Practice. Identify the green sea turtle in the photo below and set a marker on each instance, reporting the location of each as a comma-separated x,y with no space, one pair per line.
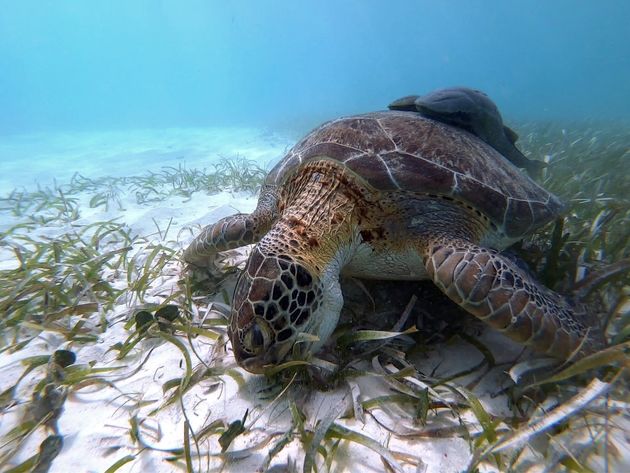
388,195
475,112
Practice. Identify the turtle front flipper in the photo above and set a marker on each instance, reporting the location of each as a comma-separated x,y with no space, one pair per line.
232,232
226,234
497,291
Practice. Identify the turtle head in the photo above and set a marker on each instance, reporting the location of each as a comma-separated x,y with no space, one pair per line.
277,301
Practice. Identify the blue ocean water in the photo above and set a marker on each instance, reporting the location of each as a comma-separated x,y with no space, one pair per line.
123,64
95,93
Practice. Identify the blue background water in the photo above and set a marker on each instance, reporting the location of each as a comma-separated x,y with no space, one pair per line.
67,65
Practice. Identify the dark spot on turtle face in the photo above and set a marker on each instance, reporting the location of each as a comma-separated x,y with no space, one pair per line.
287,280
294,294
294,315
283,257
304,279
310,297
285,334
302,317
259,309
301,298
284,303
279,324
278,290
507,276
312,242
293,306
271,312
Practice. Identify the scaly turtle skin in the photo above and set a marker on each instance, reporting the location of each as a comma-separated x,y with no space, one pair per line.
388,195
475,112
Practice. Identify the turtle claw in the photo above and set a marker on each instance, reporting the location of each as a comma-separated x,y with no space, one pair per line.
208,276
212,271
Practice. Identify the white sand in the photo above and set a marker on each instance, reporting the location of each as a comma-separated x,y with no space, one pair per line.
38,158
96,420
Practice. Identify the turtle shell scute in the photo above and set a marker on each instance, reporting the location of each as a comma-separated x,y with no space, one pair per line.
401,151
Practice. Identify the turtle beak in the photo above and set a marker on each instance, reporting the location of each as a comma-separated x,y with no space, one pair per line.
257,364
253,365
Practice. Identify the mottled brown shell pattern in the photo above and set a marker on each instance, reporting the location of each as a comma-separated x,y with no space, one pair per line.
404,151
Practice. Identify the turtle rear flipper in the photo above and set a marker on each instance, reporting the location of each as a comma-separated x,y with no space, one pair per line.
497,291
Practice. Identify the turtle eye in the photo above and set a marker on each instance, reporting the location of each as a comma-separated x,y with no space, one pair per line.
256,338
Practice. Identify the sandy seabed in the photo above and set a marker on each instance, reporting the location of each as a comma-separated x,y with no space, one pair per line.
95,423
